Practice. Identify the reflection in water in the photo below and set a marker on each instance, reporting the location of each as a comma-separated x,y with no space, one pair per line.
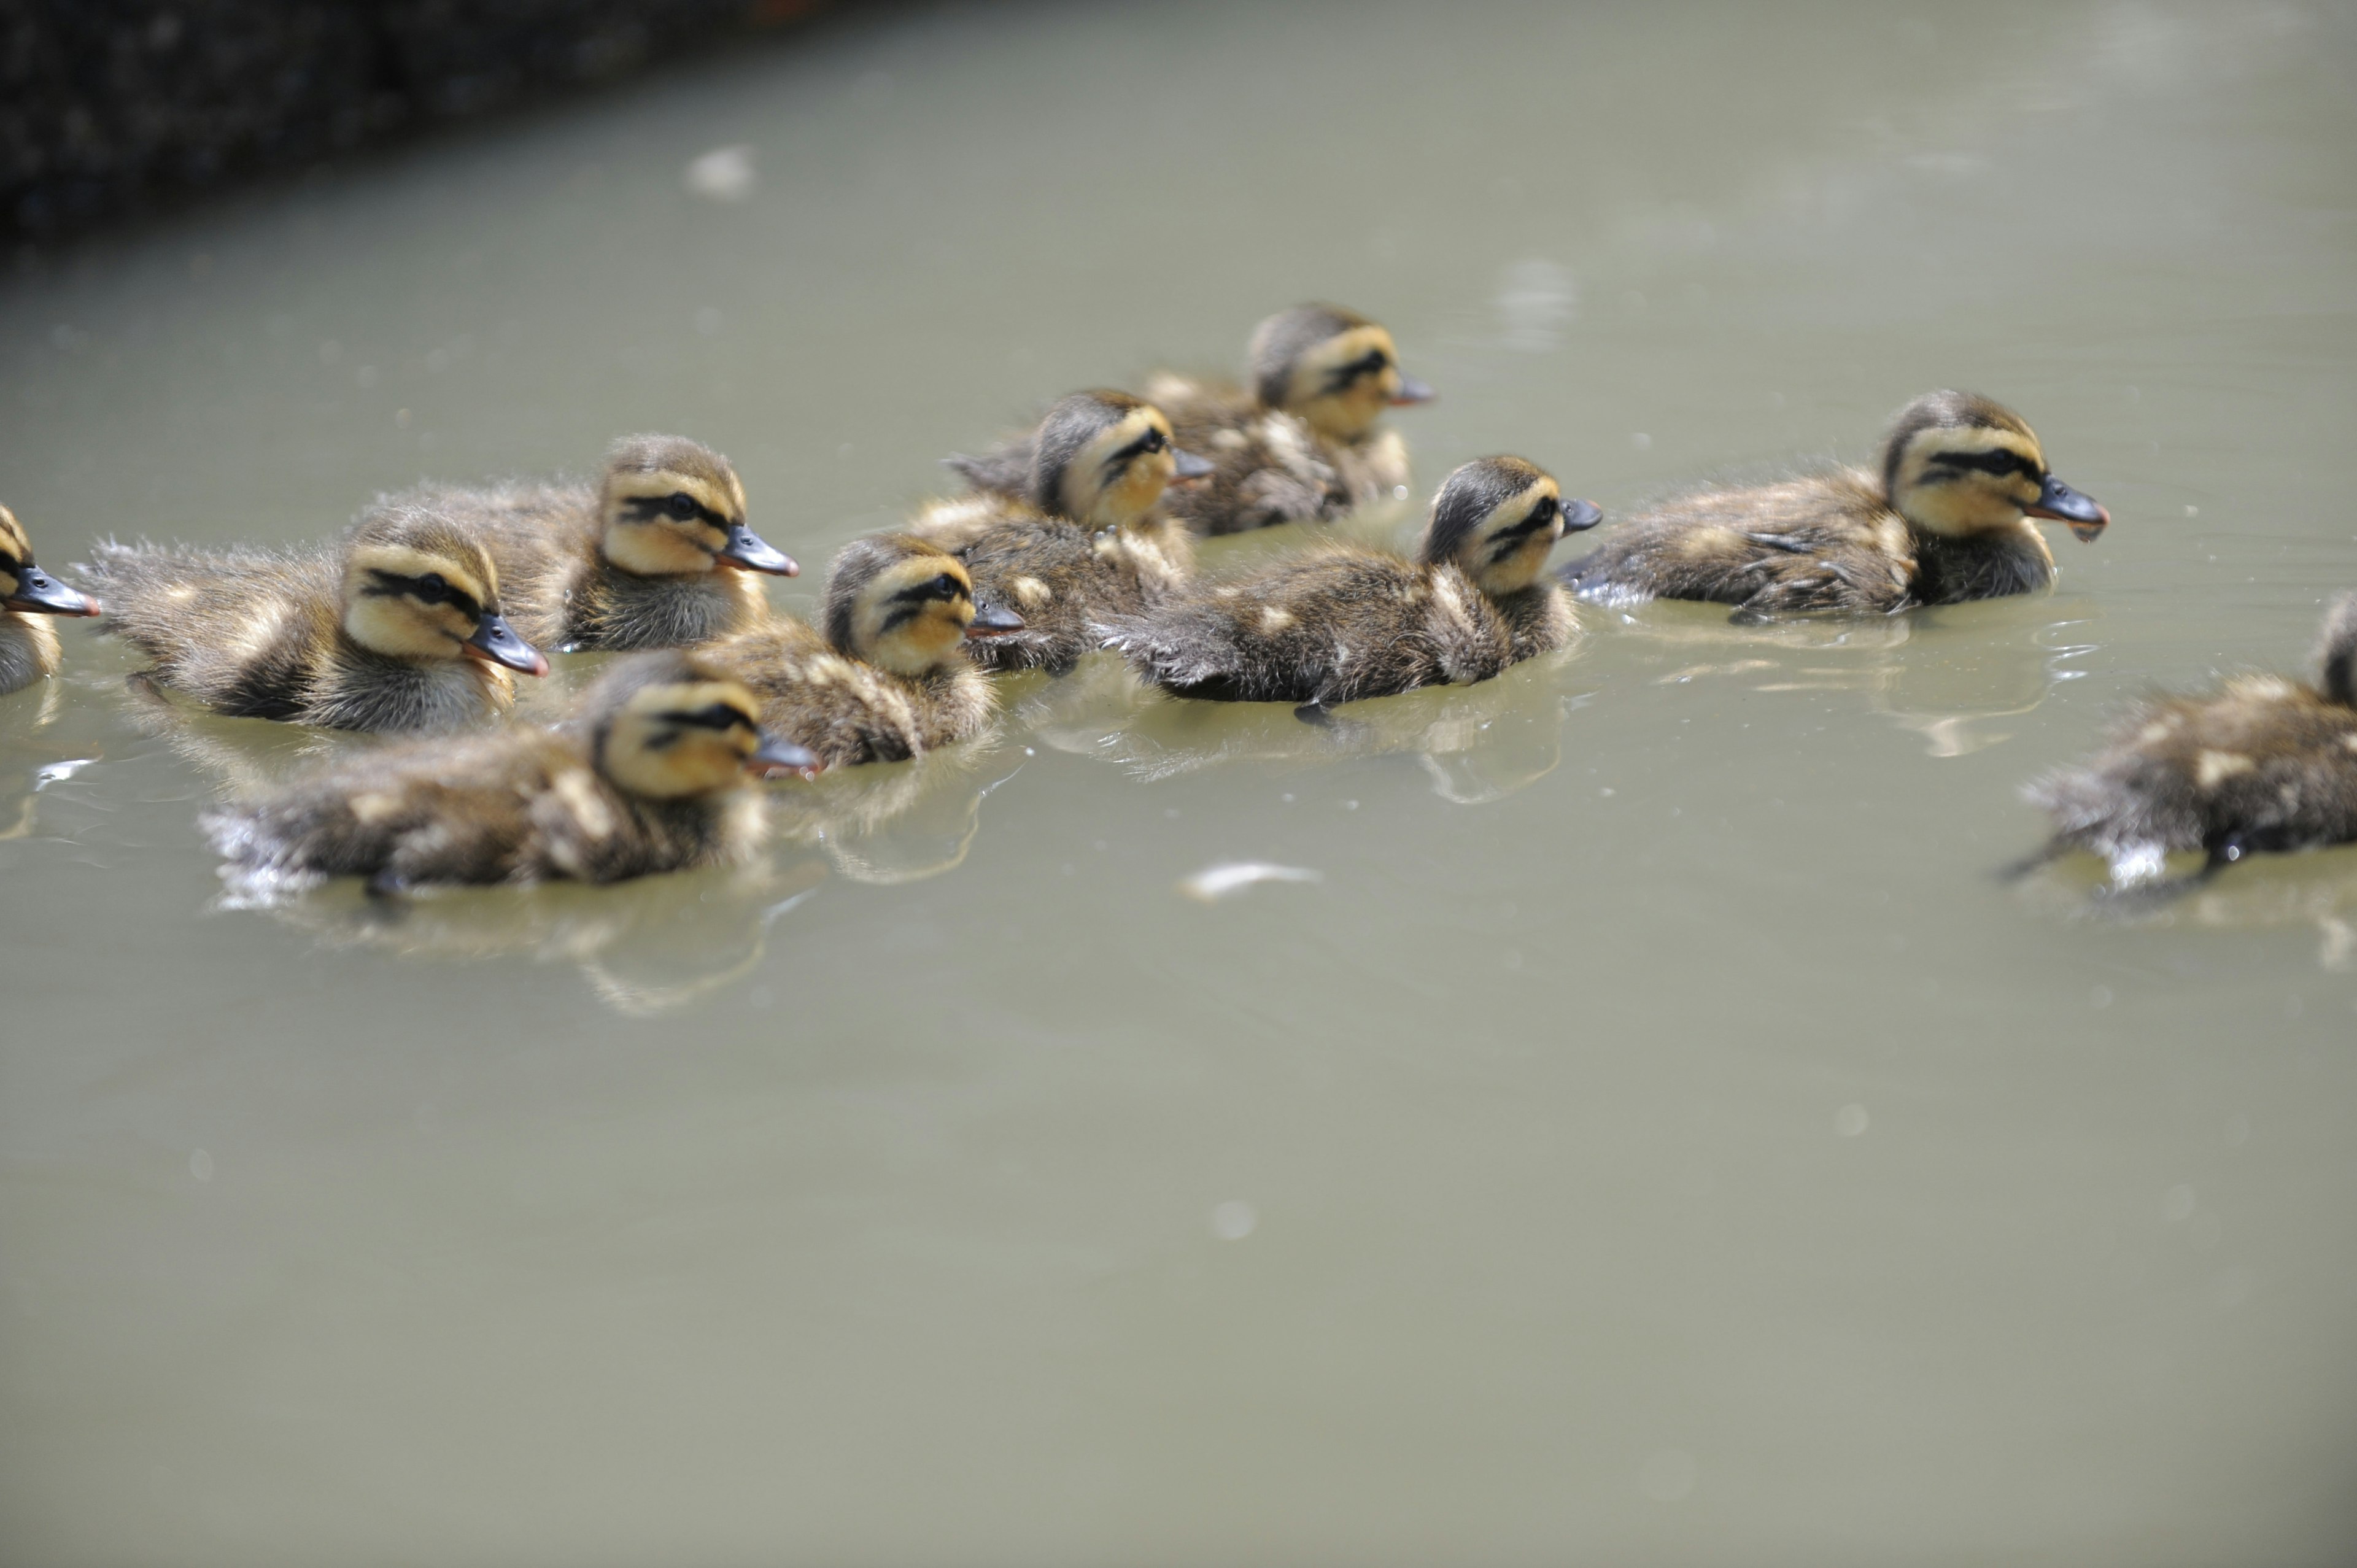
1937,678
889,823
22,714
2269,892
1479,742
645,947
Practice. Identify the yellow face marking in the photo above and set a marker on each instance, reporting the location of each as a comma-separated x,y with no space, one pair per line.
912,616
1347,411
387,620
1505,555
644,535
1104,488
681,739
1939,488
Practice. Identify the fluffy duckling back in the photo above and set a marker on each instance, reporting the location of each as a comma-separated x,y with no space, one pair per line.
1304,443
888,680
1342,622
1086,536
1947,519
28,596
2266,764
645,779
657,555
398,629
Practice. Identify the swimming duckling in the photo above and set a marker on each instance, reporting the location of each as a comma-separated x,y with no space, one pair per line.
1946,520
656,555
1085,538
1343,622
28,646
888,681
645,779
2266,765
1303,444
399,628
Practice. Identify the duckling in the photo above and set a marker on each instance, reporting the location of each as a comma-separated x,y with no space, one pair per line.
1085,538
2266,764
645,779
1946,520
888,681
656,555
1343,622
28,647
1303,444
399,628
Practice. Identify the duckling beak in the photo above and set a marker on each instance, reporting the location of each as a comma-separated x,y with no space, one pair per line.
39,592
994,620
1187,465
2063,504
495,642
1579,516
1411,391
749,551
775,759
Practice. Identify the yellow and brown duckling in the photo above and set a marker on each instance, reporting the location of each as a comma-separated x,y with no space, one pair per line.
28,596
1305,441
1947,519
1083,536
2264,765
656,554
646,779
890,679
399,628
1343,622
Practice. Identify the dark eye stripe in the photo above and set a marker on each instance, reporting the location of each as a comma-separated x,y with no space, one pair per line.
393,585
1152,441
649,508
929,589
721,717
1997,460
1373,362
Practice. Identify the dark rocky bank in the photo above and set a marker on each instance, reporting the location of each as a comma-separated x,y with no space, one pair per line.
110,109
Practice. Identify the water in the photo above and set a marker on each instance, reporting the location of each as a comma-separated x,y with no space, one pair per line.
1654,1136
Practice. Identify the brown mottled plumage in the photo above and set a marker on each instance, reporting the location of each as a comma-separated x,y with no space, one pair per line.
28,596
2266,764
1086,538
1946,520
1302,443
656,554
396,628
646,779
888,681
1341,623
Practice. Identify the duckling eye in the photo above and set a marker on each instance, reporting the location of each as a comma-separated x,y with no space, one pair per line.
433,588
682,505
949,587
1543,513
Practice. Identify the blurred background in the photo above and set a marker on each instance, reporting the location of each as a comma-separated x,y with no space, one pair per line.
1651,1134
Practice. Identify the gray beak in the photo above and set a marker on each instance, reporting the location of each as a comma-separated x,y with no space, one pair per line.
2063,504
749,549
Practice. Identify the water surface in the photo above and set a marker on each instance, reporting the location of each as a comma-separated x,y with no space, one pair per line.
1655,1136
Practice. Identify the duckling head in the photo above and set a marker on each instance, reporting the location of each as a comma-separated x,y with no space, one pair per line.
2336,652
24,587
416,588
1496,518
673,507
903,604
666,727
1332,367
1103,459
1959,464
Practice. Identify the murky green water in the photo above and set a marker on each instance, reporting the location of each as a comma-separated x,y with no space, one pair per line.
1657,1137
